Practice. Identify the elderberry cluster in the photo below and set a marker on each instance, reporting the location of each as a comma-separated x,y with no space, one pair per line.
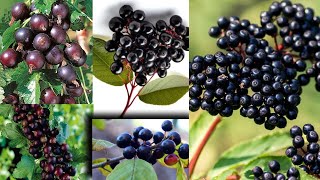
308,159
274,174
43,44
150,147
144,48
55,158
253,76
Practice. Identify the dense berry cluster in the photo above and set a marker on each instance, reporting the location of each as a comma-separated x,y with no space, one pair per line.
251,75
144,48
43,43
308,159
150,147
274,174
43,145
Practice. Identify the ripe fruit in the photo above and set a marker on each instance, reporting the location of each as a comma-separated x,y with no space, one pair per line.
67,74
158,137
124,140
9,58
167,125
184,151
41,42
175,137
39,23
145,134
73,90
20,11
58,34
129,152
168,146
116,68
60,10
49,97
24,36
144,152
55,55
73,51
35,60
171,159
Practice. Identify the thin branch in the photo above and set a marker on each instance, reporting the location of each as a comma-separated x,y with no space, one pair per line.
203,142
110,161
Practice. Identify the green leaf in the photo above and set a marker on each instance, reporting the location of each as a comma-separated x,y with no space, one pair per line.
77,25
135,169
88,5
246,171
30,90
99,144
50,78
305,176
44,6
5,110
24,168
165,91
106,170
101,65
247,151
78,156
100,124
13,132
8,35
181,174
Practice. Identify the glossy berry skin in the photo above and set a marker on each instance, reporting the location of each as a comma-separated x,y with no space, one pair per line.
307,128
175,137
9,58
295,131
257,171
20,11
58,34
167,125
291,151
312,136
41,42
171,159
73,90
60,10
158,137
124,140
67,74
39,23
141,80
144,152
184,151
175,21
145,134
298,142
35,60
168,146
274,166
125,11
80,62
73,51
129,152
116,68
49,97
67,100
24,36
293,172
55,55
116,24
136,131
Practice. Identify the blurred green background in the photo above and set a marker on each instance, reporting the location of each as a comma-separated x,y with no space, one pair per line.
235,129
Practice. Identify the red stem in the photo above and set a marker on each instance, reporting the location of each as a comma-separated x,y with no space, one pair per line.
204,141
276,42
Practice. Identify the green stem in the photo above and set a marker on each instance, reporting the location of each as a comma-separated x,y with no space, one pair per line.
84,86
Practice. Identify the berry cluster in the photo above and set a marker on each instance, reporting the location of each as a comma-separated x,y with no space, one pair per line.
43,44
43,142
163,144
274,166
309,159
144,48
252,76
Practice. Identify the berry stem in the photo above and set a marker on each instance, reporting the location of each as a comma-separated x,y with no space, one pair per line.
203,142
83,83
110,161
276,42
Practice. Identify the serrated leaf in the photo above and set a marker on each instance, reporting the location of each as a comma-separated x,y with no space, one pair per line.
8,35
50,77
101,65
44,6
100,124
30,90
165,91
24,168
100,145
5,110
135,169
77,25
78,156
13,132
75,16
245,152
246,171
106,170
